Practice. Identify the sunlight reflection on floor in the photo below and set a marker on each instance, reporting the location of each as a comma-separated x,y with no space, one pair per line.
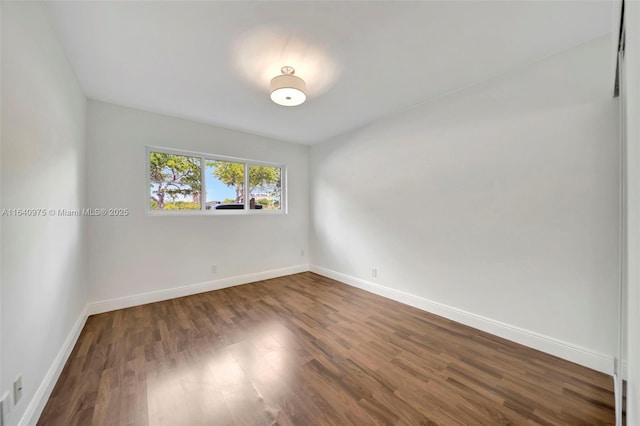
216,383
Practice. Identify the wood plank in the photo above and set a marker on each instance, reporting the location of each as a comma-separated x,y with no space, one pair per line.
307,350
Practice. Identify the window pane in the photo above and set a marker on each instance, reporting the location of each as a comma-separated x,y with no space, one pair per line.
224,181
175,182
266,187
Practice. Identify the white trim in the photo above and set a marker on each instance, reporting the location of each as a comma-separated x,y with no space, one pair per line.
574,353
39,400
187,290
632,157
622,234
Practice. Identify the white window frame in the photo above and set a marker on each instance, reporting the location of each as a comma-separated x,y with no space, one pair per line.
214,212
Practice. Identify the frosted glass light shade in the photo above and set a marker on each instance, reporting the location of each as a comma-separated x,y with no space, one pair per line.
288,90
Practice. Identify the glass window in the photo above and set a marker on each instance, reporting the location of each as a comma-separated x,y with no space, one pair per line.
224,181
265,187
175,182
209,184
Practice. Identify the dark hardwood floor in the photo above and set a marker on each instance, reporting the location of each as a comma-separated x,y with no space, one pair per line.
307,350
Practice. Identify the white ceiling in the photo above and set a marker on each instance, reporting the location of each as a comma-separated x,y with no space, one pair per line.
212,61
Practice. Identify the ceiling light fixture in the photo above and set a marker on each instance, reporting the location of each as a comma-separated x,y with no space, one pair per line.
288,89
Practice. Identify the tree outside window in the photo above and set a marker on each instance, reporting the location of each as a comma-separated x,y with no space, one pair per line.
176,183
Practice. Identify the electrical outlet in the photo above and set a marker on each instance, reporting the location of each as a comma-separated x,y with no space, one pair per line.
301,253
214,269
17,389
374,272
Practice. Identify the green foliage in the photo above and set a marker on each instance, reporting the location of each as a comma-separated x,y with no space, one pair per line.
182,205
177,205
176,182
263,176
232,175
269,203
174,176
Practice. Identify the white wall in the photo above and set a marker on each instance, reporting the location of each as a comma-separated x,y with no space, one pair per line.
43,258
500,200
632,104
141,253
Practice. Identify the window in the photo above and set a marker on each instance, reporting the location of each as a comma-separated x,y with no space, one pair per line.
209,184
265,186
225,184
175,182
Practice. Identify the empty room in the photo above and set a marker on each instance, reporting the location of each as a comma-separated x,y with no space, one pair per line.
320,213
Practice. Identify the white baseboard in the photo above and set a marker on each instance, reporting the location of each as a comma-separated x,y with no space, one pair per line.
39,400
574,353
187,290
